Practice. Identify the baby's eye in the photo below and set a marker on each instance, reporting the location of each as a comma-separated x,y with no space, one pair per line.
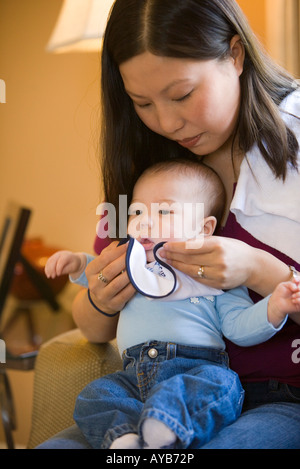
136,209
135,212
165,212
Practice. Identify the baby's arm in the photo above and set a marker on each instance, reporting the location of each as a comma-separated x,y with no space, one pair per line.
65,262
285,300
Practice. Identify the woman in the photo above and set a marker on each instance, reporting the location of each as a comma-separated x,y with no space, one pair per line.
188,77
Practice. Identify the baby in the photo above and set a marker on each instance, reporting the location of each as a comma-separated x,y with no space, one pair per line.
176,389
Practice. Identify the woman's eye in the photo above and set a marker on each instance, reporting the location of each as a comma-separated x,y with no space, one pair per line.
186,96
142,106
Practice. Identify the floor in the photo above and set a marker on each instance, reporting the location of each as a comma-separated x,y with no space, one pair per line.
46,324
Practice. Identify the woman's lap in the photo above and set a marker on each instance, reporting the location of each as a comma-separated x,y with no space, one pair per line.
270,426
70,438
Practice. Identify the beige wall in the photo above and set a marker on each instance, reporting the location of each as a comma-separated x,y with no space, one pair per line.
48,126
255,10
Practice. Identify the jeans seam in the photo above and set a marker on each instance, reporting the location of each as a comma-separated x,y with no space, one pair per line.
183,434
113,433
224,398
144,380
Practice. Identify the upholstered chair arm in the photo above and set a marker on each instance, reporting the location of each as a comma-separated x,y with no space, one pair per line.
64,365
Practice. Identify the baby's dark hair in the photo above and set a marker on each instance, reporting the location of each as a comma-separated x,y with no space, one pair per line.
209,188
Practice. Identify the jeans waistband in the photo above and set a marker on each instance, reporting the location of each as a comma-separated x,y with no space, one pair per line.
160,351
268,392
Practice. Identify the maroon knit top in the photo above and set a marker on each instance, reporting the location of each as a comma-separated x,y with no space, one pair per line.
279,357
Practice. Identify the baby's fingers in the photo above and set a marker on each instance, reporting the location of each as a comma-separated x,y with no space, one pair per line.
62,266
296,297
50,267
56,263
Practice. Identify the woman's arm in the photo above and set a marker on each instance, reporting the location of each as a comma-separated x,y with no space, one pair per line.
266,273
109,297
95,326
228,263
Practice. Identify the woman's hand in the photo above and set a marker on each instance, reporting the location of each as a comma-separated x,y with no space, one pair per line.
227,263
109,297
224,260
114,290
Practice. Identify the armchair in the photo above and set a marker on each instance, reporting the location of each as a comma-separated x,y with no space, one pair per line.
64,365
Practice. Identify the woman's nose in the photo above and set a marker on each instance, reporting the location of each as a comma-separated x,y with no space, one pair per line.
169,121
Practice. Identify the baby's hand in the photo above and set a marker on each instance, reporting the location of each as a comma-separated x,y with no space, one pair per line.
65,262
284,300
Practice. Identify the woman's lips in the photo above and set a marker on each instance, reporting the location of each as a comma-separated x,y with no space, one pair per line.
190,142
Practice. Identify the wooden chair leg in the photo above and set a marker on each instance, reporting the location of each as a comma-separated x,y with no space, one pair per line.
7,409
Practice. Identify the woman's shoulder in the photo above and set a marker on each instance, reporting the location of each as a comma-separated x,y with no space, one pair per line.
291,104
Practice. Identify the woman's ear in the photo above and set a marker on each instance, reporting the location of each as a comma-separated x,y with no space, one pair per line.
237,53
209,225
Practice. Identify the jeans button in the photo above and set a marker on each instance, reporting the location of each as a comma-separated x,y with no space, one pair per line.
152,353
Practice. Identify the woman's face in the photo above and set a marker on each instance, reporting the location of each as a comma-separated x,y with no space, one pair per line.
192,102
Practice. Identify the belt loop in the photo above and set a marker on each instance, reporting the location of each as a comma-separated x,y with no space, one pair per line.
273,385
225,359
171,350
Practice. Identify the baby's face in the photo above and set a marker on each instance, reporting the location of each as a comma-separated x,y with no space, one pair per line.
164,208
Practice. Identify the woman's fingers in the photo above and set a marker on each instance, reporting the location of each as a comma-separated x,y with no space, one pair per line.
112,260
116,285
221,262
113,269
108,280
203,244
116,293
186,251
188,260
119,300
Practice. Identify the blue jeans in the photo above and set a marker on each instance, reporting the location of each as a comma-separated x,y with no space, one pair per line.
278,422
270,419
189,389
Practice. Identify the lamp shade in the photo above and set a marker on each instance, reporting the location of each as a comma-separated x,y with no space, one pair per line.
80,26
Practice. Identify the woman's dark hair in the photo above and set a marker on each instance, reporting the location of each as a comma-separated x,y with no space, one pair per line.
194,29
